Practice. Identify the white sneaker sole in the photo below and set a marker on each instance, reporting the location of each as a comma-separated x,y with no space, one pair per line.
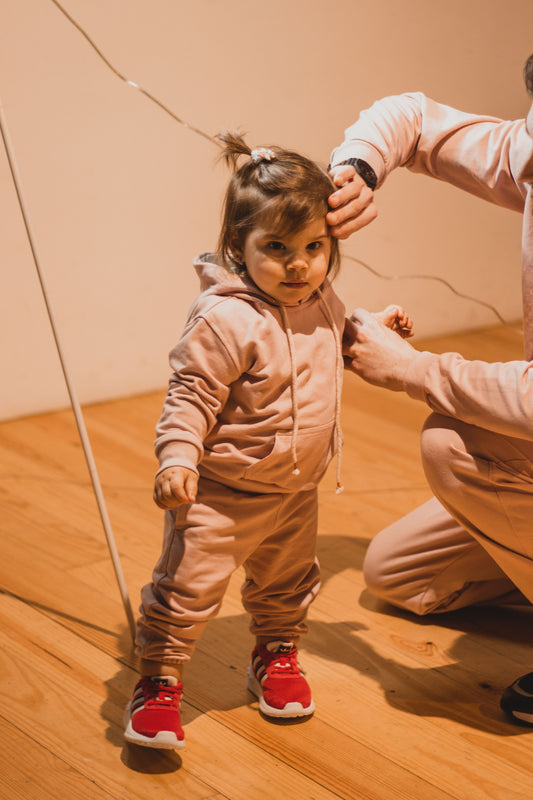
291,710
521,715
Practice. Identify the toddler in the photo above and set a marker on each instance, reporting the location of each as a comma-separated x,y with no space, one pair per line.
249,426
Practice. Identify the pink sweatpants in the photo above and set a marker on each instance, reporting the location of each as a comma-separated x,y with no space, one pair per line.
473,542
272,535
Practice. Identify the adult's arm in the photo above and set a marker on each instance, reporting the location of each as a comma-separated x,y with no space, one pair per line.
496,396
483,155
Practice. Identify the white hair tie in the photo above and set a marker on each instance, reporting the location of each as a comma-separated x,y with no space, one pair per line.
262,154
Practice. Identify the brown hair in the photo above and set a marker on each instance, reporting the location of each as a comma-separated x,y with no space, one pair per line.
287,192
528,74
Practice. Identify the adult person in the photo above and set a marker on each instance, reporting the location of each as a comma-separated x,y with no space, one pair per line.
473,541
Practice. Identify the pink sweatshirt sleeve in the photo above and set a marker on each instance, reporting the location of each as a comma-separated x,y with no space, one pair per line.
498,397
203,370
479,154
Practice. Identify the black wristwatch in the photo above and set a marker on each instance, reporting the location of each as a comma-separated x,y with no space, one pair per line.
363,169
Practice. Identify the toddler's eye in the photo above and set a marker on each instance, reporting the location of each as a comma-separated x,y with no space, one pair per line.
314,245
276,246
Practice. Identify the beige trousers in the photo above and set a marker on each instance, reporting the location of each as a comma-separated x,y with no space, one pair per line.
272,535
473,542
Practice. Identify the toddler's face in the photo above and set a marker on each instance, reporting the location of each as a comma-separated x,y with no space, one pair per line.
291,267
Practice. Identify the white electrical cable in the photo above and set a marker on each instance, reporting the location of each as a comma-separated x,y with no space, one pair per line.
135,85
438,279
76,408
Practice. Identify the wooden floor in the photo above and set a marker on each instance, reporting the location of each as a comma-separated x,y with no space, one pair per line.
406,708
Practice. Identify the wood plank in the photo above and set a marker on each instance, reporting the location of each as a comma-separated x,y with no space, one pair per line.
75,710
31,771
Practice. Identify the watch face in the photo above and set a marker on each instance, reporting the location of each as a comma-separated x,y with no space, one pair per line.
363,169
366,172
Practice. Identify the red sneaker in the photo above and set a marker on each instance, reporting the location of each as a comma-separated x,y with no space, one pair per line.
276,678
152,718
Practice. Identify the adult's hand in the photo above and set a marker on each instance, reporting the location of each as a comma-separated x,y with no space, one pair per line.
352,205
375,352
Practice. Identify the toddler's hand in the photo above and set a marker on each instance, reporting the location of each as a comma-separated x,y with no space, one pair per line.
175,486
397,319
373,351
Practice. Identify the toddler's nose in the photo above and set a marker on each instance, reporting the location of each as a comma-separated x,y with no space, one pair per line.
297,264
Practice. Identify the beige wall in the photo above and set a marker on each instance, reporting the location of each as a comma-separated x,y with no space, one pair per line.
121,197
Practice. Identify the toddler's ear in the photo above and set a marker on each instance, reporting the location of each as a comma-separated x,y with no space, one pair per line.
237,249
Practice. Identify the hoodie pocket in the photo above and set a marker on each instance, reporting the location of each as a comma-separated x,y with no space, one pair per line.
315,448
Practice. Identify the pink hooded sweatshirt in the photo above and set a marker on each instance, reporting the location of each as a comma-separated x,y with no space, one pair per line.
491,159
253,401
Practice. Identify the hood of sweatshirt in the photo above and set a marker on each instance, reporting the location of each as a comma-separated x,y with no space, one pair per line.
217,279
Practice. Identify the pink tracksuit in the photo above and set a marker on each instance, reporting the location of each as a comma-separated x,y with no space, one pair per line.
473,542
253,407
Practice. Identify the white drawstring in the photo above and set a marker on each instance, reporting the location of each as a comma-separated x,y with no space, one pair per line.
338,383
294,376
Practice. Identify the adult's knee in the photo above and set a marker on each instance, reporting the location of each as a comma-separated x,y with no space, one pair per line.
441,447
384,574
375,569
